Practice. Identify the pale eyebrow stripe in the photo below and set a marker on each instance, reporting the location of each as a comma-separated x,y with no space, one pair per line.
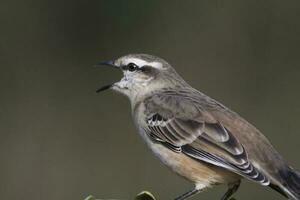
140,63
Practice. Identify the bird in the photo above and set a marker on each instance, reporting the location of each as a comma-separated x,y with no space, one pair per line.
196,136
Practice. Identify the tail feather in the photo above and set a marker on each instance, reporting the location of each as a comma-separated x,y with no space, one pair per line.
291,184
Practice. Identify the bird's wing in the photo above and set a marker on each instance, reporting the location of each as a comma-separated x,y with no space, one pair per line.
179,123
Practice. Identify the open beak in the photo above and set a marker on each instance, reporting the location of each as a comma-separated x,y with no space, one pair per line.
105,63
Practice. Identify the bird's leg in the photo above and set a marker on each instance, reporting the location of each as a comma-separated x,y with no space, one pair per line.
232,188
188,194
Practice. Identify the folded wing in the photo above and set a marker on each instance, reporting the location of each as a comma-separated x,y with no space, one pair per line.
182,126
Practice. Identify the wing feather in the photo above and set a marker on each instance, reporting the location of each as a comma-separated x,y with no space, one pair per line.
196,134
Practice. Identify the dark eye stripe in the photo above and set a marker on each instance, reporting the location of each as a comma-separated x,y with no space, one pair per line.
145,69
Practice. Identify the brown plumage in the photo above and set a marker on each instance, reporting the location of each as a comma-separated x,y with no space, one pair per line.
196,136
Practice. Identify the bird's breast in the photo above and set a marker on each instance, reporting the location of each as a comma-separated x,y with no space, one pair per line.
193,170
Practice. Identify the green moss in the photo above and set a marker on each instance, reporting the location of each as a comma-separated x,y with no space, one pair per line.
145,195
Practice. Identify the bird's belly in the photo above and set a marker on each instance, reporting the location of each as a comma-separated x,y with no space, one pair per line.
199,172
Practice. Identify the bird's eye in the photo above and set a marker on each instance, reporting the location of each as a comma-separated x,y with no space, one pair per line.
132,67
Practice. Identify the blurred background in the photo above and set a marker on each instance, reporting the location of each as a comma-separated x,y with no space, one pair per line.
61,140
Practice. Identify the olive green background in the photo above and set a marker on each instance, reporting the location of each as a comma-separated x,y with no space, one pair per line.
59,140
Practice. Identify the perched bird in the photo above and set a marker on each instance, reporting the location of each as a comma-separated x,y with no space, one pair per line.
196,136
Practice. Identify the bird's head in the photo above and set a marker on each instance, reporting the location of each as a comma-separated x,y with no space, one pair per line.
142,73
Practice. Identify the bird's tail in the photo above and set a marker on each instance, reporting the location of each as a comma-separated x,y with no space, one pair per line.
291,186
